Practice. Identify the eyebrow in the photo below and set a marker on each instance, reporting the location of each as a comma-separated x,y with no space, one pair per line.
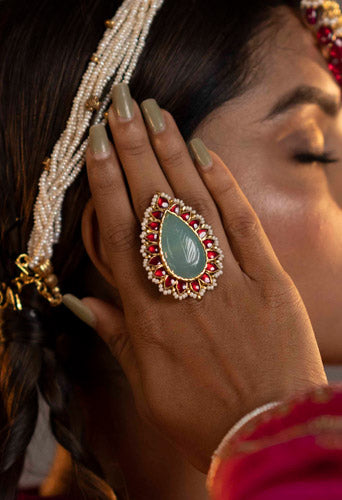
304,94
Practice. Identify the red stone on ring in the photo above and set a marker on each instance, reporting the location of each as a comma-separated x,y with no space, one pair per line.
195,286
185,215
157,215
205,278
154,225
175,209
152,237
155,260
153,249
160,272
211,267
202,233
212,254
181,286
162,202
195,223
169,281
208,243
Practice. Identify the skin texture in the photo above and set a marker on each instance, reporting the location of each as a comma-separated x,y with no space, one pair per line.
299,205
299,208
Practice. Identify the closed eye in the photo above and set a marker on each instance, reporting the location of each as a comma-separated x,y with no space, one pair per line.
307,157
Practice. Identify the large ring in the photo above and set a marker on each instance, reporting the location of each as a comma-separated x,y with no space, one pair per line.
180,252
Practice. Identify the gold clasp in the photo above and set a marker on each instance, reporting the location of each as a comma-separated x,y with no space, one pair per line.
42,276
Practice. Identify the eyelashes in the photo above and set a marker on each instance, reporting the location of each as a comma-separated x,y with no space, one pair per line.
307,157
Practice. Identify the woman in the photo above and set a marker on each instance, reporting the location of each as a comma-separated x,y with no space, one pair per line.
255,87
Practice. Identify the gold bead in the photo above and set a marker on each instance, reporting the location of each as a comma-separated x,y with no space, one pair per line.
94,58
105,115
109,23
51,281
93,103
43,269
47,163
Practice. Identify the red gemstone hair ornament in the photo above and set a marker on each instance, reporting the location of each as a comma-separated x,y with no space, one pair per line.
180,252
325,18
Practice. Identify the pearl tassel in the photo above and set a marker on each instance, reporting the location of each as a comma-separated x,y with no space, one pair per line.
115,59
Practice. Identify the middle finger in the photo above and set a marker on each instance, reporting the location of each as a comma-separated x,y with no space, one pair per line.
158,161
141,167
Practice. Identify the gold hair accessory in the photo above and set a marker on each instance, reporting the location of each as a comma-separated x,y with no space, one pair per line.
42,276
113,61
325,19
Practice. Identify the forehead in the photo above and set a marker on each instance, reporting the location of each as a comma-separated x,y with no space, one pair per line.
288,57
291,54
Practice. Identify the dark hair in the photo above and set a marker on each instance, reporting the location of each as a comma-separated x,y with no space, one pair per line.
197,56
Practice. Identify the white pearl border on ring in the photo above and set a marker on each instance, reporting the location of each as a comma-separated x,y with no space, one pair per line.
217,261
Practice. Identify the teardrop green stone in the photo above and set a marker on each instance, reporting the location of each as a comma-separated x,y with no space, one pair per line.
182,248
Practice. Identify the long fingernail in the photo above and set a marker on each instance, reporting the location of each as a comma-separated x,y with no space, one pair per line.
122,101
98,139
79,309
153,115
200,153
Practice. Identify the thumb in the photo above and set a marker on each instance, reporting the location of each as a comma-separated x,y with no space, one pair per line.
111,327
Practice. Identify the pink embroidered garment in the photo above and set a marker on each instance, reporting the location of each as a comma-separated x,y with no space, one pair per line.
292,452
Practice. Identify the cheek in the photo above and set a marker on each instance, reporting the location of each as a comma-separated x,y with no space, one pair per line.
299,231
306,234
298,212
307,238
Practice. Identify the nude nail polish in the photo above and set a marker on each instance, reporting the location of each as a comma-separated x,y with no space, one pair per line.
153,115
98,139
80,310
122,101
200,153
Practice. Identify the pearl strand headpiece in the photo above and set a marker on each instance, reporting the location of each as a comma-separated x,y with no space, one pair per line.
114,61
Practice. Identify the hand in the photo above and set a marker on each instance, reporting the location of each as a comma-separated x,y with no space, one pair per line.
195,367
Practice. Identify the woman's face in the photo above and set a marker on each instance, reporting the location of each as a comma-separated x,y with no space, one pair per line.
267,138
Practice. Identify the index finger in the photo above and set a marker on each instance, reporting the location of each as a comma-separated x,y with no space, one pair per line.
118,225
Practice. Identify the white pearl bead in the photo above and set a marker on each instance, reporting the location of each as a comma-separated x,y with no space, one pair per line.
118,53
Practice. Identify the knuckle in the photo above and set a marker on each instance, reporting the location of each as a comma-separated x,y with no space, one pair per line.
150,331
279,291
119,237
172,158
133,146
106,180
201,204
244,225
226,188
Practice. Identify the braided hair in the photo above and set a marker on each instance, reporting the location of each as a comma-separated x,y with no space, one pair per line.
35,356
